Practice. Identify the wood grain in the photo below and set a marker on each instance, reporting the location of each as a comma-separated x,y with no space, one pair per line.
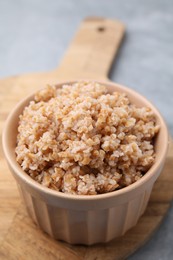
90,55
93,49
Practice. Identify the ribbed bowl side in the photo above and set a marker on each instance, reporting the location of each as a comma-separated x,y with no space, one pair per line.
85,227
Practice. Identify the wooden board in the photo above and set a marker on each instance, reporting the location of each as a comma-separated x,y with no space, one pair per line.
89,56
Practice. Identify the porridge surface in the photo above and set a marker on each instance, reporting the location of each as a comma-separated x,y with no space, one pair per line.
80,139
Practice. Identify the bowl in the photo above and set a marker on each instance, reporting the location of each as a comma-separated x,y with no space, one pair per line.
85,219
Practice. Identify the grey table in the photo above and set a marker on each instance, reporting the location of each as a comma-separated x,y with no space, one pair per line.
34,35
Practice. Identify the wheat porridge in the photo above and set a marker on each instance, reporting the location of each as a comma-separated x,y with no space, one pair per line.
81,139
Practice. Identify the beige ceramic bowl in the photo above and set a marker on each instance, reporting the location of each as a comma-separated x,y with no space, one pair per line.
82,219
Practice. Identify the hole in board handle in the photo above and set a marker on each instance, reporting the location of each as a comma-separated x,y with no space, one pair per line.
101,29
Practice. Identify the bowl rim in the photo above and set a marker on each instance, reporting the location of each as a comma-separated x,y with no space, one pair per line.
9,153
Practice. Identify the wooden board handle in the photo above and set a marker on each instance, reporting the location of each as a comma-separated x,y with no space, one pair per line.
93,49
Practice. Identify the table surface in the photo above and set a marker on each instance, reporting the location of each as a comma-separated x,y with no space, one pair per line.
34,36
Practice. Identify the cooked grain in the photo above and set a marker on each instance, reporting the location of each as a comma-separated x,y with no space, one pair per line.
80,139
